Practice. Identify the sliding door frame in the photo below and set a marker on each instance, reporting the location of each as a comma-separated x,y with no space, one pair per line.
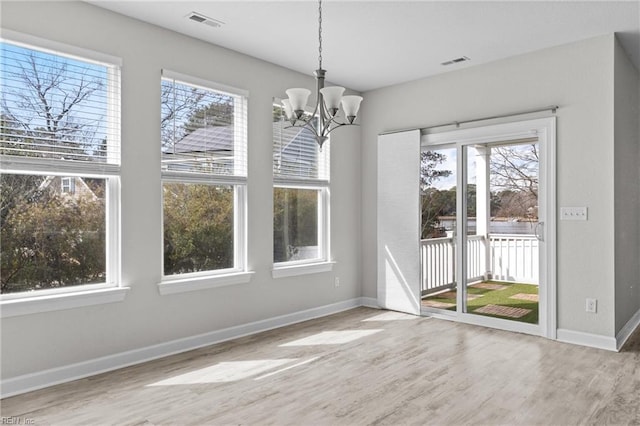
545,130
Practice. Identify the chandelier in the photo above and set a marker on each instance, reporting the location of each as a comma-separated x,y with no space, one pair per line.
328,100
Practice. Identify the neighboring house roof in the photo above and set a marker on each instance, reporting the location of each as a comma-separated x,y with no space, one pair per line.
220,138
299,148
205,149
205,139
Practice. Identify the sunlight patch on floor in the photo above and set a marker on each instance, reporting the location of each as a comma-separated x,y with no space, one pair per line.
332,338
282,370
225,372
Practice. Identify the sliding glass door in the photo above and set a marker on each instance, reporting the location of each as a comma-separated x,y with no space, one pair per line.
482,215
501,221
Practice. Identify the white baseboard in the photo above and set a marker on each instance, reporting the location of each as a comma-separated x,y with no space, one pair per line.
46,378
370,302
628,330
587,339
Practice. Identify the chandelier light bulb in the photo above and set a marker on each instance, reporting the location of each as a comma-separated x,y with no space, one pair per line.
298,98
351,105
288,110
332,96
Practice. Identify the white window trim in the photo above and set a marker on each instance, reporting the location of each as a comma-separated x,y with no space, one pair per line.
323,263
178,283
204,84
323,233
112,242
292,269
23,303
202,280
192,282
61,301
57,48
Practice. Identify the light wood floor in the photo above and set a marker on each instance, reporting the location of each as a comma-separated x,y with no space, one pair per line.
389,371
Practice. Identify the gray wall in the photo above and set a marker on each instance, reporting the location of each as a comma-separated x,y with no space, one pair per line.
36,342
579,78
627,187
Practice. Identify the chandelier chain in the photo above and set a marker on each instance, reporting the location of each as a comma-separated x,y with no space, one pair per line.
325,117
320,34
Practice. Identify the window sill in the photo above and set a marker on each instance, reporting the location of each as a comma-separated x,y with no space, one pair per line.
183,285
59,302
304,269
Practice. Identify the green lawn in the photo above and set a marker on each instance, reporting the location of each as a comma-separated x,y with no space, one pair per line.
496,297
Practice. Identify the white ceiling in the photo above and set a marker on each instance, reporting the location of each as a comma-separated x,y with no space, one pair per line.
372,44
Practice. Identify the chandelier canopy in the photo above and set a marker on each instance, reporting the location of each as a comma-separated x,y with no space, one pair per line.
328,101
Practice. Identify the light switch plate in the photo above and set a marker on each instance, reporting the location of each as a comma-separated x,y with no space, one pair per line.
573,213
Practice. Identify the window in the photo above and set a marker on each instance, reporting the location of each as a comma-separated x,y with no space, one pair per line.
300,195
204,150
59,185
68,185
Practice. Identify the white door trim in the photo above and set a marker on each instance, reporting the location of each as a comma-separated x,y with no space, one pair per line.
545,130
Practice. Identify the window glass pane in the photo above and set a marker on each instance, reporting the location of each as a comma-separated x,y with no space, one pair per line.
514,188
202,130
198,227
57,107
51,238
295,226
438,193
295,150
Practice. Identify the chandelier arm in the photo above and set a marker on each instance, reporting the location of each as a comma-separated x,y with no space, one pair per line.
304,124
326,117
341,125
315,110
326,128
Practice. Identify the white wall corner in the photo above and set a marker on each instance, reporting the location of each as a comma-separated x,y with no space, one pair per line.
587,339
42,379
370,302
628,329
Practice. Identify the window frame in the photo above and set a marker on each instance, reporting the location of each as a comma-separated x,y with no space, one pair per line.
68,185
112,290
323,262
238,274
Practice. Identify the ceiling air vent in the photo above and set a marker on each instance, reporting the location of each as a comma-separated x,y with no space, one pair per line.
456,61
201,19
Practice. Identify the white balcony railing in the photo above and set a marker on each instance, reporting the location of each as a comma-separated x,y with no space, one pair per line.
437,259
512,258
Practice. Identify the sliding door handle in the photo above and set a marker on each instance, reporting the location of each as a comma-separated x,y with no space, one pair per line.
539,231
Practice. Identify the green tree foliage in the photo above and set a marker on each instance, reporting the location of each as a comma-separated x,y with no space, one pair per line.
295,225
16,190
434,203
49,239
198,227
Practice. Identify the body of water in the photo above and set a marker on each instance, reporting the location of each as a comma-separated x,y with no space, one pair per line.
495,227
